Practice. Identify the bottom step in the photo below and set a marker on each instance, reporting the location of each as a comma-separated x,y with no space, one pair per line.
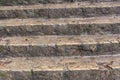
61,75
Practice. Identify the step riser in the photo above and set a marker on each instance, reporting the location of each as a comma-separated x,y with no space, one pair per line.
59,75
65,50
60,13
26,2
77,29
77,75
11,75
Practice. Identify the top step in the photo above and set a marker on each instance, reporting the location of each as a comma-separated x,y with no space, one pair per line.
27,2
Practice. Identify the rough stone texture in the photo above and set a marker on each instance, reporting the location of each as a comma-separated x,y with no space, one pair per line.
60,13
77,29
11,75
60,75
26,2
77,75
65,50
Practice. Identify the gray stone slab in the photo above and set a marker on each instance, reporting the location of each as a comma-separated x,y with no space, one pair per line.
60,13
26,2
70,29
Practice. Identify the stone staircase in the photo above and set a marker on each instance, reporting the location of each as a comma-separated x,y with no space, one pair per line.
59,39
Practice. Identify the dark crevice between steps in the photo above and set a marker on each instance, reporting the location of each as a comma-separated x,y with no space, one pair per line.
60,13
60,75
70,29
28,2
63,50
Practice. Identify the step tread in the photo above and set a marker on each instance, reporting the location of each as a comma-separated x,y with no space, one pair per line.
59,63
64,5
61,21
60,40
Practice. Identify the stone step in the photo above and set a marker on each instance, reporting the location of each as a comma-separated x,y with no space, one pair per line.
78,75
62,21
85,45
65,10
60,63
61,75
63,26
68,29
28,2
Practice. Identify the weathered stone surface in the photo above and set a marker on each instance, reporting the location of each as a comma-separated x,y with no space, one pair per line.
65,50
60,63
60,75
77,75
9,75
59,45
26,2
60,13
100,28
75,29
